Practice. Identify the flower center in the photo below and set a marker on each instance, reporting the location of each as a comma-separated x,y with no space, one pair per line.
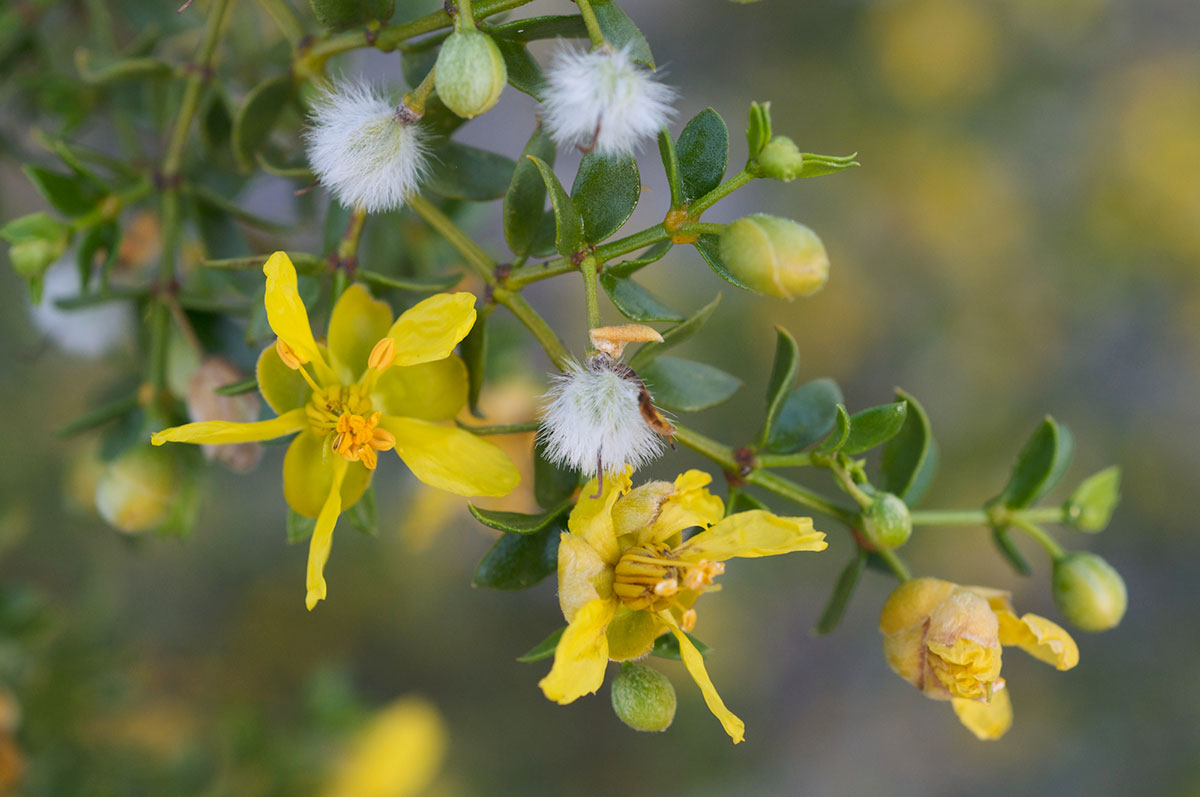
653,577
966,668
343,415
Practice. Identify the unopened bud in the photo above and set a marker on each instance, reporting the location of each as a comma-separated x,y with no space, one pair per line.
643,698
205,404
775,256
1089,592
470,73
136,491
780,159
887,522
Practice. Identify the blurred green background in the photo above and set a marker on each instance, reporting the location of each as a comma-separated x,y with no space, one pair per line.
1022,238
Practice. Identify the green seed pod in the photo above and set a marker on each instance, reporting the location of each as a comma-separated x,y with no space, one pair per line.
886,522
470,73
780,159
136,491
643,698
775,256
1089,592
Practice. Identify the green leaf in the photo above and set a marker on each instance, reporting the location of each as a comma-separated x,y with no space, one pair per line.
474,353
337,15
910,458
1091,506
783,375
634,301
1010,552
675,335
807,415
544,649
839,599
257,117
628,267
518,522
620,32
70,195
874,426
216,126
667,646
526,195
818,165
551,484
142,68
551,26
104,237
519,561
568,237
299,527
703,154
670,159
1039,466
364,516
462,172
709,247
841,431
606,190
686,386
524,72
758,132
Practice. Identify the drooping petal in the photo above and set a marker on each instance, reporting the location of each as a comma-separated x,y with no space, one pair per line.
989,720
754,533
1044,640
695,666
631,634
285,308
217,432
357,323
592,518
283,388
308,473
432,328
322,538
582,575
690,504
452,459
433,391
581,656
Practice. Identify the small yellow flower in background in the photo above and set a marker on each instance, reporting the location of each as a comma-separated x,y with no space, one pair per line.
398,754
946,640
375,386
625,577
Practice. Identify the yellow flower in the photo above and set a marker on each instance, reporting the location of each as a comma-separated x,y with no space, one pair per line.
397,754
376,385
625,577
946,640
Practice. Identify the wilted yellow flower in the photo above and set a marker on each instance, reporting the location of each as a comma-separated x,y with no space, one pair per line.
946,640
398,754
625,577
376,385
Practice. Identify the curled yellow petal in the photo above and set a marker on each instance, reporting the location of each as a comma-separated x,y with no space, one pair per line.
695,666
689,504
581,655
582,575
1044,640
752,534
218,432
322,538
285,310
452,459
356,324
592,518
987,720
432,328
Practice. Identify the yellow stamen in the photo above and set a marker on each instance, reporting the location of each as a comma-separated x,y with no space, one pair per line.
652,576
289,356
357,438
382,355
689,620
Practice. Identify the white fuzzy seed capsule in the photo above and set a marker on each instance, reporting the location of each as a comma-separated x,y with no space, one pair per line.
592,419
604,101
367,151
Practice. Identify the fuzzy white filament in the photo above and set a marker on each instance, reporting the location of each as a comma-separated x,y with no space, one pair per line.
363,149
604,100
592,419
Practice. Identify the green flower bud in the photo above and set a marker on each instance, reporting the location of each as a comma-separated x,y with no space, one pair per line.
470,73
780,159
886,522
1089,592
37,241
775,256
137,490
643,698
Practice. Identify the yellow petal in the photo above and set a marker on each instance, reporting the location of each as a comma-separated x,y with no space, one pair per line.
285,309
987,721
1044,640
911,603
357,323
754,533
322,538
631,634
582,575
695,666
690,504
283,388
432,328
218,432
452,459
308,474
581,656
397,754
592,518
434,391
